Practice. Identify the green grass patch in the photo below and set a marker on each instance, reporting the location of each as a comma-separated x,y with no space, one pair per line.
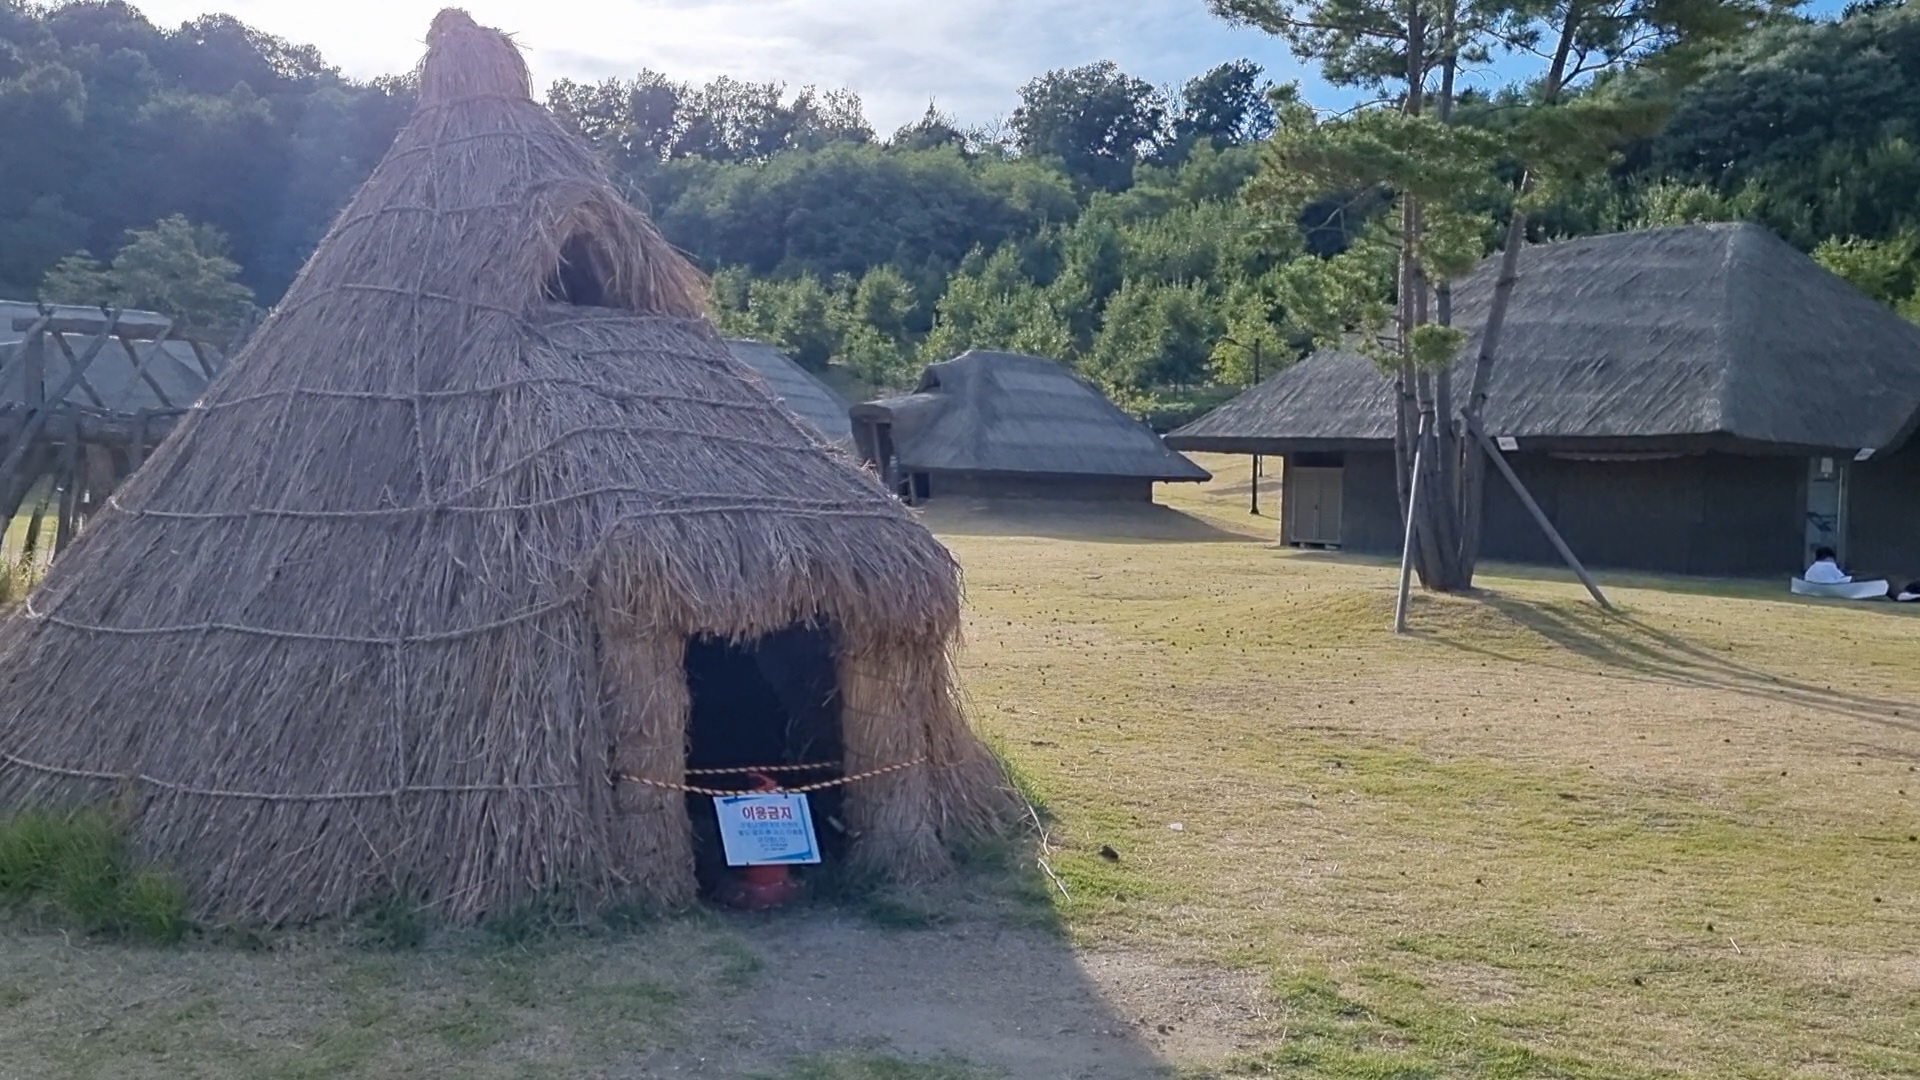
395,924
78,870
1398,1032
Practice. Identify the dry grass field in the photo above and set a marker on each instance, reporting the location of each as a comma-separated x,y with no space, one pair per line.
1527,840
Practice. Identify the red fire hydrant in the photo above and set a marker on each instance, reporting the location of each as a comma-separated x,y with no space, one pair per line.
758,888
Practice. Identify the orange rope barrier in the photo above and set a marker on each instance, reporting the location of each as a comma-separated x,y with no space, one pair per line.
803,789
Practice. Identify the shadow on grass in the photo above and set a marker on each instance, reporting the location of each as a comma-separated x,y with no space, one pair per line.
1765,590
1631,648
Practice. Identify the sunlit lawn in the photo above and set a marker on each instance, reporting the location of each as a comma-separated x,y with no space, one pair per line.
1529,839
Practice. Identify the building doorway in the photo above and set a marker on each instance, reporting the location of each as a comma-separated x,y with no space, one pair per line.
1826,507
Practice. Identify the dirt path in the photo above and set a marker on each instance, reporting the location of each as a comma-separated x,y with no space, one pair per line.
1014,1002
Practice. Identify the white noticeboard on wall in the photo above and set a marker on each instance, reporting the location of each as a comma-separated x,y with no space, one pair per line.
774,829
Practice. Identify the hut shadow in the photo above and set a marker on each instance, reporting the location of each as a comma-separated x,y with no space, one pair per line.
1013,1000
1131,523
1630,648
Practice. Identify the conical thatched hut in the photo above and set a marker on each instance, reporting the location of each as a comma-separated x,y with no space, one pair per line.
414,599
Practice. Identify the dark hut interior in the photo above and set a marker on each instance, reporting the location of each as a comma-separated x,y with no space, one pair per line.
773,700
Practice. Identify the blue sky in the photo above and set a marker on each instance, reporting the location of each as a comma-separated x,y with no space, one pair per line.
968,55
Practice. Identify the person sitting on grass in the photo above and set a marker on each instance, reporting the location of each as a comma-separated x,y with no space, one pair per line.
1826,569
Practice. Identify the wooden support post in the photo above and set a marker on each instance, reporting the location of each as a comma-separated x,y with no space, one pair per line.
70,459
18,352
30,549
1539,516
19,487
137,446
1406,545
33,355
1253,486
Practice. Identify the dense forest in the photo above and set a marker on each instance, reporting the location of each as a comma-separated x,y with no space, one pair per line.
1105,222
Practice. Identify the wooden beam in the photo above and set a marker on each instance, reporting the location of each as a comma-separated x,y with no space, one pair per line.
143,359
1539,516
90,325
207,367
107,429
67,351
159,392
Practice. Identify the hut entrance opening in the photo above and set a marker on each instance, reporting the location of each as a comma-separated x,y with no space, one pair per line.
578,280
773,700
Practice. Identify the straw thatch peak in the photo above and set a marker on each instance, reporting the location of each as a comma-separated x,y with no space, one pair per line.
480,145
465,59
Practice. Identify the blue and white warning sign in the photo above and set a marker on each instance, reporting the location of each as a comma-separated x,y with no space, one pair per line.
766,829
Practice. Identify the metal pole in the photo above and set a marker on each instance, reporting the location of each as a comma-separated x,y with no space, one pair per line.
1539,515
1254,487
1406,547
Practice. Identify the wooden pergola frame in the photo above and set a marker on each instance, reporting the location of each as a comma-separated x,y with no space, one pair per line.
87,446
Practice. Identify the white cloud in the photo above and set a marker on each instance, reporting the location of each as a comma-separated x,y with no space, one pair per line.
969,55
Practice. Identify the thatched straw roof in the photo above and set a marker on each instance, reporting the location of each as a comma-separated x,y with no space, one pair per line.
797,388
112,379
1708,335
1004,412
375,614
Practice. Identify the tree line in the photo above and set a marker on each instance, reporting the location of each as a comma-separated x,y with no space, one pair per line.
1150,236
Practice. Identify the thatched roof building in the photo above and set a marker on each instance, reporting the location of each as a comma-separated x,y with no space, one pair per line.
1003,424
1686,399
797,388
443,587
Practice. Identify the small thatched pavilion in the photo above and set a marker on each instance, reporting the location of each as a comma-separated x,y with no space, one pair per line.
482,544
1003,425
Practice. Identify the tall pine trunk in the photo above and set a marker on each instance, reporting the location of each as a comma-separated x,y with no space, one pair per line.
1427,409
1473,461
